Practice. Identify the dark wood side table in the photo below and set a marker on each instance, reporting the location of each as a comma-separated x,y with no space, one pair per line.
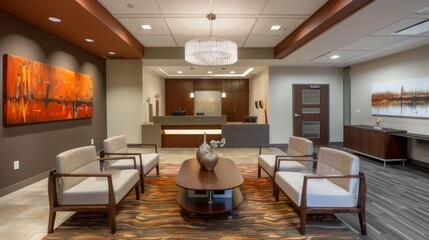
225,176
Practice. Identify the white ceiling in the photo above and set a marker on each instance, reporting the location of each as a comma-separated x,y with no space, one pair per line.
361,37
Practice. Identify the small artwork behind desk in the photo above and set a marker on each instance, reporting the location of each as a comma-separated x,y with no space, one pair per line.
408,98
208,102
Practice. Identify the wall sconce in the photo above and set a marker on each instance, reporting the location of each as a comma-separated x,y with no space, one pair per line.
256,105
192,95
261,105
223,95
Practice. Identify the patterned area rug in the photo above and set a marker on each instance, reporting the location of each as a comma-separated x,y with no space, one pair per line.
158,216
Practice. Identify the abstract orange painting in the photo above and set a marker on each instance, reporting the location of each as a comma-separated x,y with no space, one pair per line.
37,92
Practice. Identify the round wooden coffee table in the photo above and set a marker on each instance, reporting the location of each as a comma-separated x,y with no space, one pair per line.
224,180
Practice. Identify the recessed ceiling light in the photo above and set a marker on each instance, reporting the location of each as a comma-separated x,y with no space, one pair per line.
112,53
232,72
334,57
146,27
54,19
129,5
179,72
89,40
209,72
275,27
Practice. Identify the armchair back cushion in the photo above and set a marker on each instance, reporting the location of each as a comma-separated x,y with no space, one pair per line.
336,162
116,144
300,146
78,160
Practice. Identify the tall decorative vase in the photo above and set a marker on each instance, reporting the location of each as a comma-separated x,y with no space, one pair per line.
150,112
157,107
206,157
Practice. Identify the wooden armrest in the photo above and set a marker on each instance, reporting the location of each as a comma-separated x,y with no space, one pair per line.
119,158
271,145
125,154
144,145
331,176
108,175
115,158
280,158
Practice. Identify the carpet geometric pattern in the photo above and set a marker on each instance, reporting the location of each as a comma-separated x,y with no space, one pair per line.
158,216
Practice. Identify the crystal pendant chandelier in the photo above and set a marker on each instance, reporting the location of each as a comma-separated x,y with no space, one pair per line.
211,51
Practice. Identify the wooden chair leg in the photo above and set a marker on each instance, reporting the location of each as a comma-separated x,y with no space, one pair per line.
277,193
157,169
112,219
51,223
303,215
142,182
259,171
362,221
136,188
274,187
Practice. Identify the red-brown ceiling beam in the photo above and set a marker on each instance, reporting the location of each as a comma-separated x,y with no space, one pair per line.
327,16
80,19
100,13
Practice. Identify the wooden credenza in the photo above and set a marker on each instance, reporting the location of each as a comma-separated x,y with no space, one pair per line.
378,144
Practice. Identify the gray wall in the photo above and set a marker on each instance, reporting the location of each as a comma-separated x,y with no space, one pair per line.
125,99
413,64
259,90
36,145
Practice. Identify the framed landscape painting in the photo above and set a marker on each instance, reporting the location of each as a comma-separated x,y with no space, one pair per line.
409,98
37,92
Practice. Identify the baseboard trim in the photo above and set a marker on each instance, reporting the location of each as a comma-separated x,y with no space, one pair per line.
23,184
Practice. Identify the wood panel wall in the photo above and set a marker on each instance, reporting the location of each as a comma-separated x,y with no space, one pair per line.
235,106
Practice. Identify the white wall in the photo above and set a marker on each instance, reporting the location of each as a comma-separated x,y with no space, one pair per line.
259,90
152,83
124,99
280,99
412,64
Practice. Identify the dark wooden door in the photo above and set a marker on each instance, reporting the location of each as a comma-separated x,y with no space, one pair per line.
311,112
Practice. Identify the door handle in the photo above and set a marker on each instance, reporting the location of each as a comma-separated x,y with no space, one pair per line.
297,115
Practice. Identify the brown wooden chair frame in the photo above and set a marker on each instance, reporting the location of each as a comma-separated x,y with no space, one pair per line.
141,173
280,158
111,207
304,210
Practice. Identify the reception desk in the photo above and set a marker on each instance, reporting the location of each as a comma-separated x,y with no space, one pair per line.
188,132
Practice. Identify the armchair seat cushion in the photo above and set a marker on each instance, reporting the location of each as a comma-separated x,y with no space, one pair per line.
150,160
94,190
268,162
320,192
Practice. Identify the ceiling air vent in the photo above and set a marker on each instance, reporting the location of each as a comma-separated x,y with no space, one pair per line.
415,29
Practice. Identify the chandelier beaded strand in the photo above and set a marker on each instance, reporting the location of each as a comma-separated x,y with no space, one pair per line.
211,51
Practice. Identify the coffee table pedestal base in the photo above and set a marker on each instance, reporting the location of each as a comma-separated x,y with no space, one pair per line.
209,205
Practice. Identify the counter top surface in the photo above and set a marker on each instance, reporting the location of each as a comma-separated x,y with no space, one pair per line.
387,130
189,120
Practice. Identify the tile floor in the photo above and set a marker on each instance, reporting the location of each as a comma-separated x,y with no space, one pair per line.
24,213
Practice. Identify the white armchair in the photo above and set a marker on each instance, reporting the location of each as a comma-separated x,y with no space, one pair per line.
78,185
337,186
298,149
117,146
